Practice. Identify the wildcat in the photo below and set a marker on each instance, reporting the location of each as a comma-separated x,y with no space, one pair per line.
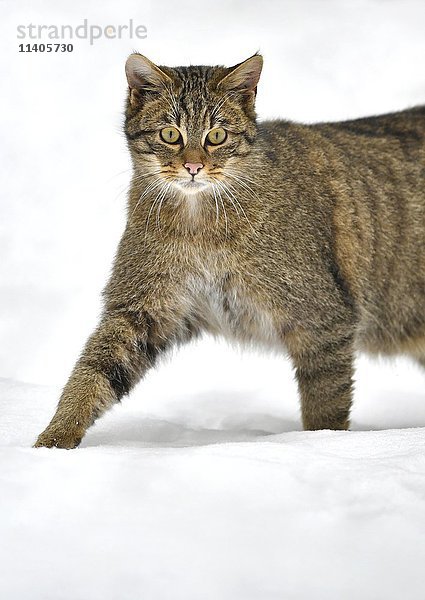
307,238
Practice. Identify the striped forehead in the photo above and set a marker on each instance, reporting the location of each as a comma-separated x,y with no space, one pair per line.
193,99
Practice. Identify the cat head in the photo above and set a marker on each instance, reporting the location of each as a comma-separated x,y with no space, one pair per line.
190,127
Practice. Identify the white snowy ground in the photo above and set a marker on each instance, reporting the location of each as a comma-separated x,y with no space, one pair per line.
200,486
179,493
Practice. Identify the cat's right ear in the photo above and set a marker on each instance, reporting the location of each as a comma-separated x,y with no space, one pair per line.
143,76
243,77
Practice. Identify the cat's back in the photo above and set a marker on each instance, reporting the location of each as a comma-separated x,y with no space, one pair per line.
379,221
380,159
366,155
399,134
367,177
408,125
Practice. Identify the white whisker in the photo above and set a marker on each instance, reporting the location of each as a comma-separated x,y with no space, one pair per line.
149,188
154,202
224,209
163,195
229,190
217,210
241,181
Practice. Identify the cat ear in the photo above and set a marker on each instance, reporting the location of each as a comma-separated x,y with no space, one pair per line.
143,75
244,76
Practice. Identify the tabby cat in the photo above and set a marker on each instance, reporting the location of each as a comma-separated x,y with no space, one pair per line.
307,238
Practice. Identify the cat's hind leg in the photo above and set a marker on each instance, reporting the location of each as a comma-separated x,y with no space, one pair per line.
324,371
418,353
421,361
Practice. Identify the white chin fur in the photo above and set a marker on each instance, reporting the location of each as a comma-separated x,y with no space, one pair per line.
189,187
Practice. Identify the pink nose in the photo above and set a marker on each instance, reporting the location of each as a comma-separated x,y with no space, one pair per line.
193,168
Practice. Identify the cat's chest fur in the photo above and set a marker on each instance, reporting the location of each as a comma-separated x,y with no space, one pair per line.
227,305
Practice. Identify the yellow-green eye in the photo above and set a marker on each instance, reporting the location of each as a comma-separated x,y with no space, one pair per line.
217,136
171,135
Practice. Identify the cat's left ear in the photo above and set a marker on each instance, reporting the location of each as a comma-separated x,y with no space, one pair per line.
243,77
143,76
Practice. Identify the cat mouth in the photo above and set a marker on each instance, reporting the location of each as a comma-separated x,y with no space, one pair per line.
191,186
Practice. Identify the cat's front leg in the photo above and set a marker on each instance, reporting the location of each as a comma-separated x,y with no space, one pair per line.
116,356
324,371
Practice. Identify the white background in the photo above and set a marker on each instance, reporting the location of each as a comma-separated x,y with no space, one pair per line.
191,488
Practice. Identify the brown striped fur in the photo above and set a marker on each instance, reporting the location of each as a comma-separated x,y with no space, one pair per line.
307,238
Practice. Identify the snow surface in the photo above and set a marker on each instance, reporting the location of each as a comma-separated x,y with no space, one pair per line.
193,491
200,485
